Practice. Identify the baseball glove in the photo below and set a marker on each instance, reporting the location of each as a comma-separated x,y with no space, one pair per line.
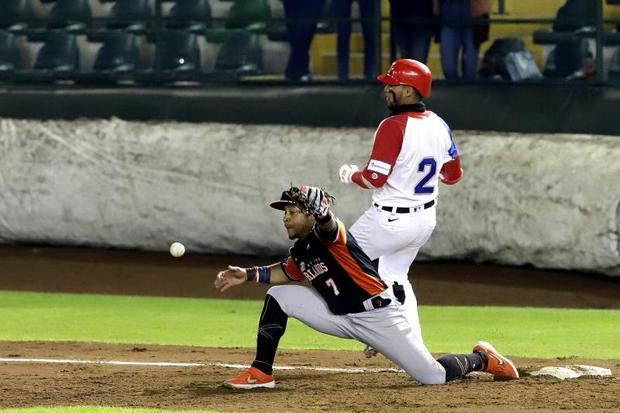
313,200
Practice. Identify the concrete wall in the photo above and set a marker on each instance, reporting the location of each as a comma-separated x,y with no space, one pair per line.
547,200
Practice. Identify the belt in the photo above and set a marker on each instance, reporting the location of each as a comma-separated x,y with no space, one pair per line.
393,293
406,210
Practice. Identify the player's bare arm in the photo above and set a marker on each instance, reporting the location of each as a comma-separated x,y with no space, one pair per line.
233,276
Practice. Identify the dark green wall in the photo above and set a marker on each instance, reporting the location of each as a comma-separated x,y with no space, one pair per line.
550,108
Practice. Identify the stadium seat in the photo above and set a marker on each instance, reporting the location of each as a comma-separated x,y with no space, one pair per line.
240,55
614,68
131,15
327,24
179,52
119,53
15,14
9,54
190,15
70,15
58,59
59,53
567,60
250,15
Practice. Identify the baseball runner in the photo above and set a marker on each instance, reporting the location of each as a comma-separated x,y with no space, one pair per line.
413,150
347,298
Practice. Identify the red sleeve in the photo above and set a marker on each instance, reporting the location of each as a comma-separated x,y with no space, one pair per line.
291,270
385,151
451,172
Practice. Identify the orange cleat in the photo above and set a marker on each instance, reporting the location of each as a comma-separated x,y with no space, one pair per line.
252,378
498,365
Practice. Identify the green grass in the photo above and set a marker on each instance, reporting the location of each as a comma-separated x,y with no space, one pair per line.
531,332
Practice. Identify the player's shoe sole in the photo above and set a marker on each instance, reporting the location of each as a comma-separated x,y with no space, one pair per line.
499,366
370,352
249,379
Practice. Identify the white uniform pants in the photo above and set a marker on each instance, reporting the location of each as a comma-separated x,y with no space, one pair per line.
386,329
395,240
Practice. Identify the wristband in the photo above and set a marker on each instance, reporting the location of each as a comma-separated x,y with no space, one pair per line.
259,274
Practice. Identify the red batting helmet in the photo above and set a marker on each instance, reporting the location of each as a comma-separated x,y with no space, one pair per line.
411,73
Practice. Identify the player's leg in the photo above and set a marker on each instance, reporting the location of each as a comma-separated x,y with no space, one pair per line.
281,302
388,330
306,305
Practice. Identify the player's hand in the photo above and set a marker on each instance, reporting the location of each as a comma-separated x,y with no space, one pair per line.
229,278
315,200
346,171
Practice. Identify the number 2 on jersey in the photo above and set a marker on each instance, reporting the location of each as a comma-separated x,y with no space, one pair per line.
330,283
431,163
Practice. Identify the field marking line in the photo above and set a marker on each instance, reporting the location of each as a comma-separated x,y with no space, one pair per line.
180,364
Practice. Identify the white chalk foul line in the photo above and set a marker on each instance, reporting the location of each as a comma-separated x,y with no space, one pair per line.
175,364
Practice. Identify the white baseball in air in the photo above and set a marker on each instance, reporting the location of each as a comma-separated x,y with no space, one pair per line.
177,249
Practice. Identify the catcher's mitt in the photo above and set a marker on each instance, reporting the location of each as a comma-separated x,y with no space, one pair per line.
311,199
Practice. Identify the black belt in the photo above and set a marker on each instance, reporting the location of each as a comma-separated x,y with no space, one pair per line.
406,210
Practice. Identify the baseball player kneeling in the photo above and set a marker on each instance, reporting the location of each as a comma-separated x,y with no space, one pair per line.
346,298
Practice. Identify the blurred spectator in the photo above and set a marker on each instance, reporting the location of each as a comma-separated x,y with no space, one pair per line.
573,58
413,38
459,38
369,13
301,19
575,14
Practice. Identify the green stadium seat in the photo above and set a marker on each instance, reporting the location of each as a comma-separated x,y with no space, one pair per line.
613,74
179,51
190,15
567,59
131,15
119,53
9,54
116,60
253,15
15,14
58,59
240,55
70,15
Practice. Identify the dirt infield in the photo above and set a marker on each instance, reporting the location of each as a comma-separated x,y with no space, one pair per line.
114,272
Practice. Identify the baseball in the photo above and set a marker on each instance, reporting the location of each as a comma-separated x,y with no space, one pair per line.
177,249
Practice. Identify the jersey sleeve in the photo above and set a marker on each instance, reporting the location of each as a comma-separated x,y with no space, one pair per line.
337,235
451,152
451,170
385,151
290,269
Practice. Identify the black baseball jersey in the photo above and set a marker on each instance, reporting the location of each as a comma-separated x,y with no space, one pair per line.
336,267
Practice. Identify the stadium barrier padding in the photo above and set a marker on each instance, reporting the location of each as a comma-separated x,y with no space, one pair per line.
549,200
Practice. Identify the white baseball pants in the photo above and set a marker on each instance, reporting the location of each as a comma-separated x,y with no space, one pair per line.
395,240
387,329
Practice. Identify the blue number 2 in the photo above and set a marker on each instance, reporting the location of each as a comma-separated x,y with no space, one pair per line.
420,188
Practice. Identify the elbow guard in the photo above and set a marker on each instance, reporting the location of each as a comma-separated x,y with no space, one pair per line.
451,172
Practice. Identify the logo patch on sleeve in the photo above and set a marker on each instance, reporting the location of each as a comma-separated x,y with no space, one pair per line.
380,167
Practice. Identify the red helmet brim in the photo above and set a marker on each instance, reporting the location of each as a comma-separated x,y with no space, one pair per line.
387,80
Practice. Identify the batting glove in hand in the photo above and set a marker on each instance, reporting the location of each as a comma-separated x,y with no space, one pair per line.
315,200
346,171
